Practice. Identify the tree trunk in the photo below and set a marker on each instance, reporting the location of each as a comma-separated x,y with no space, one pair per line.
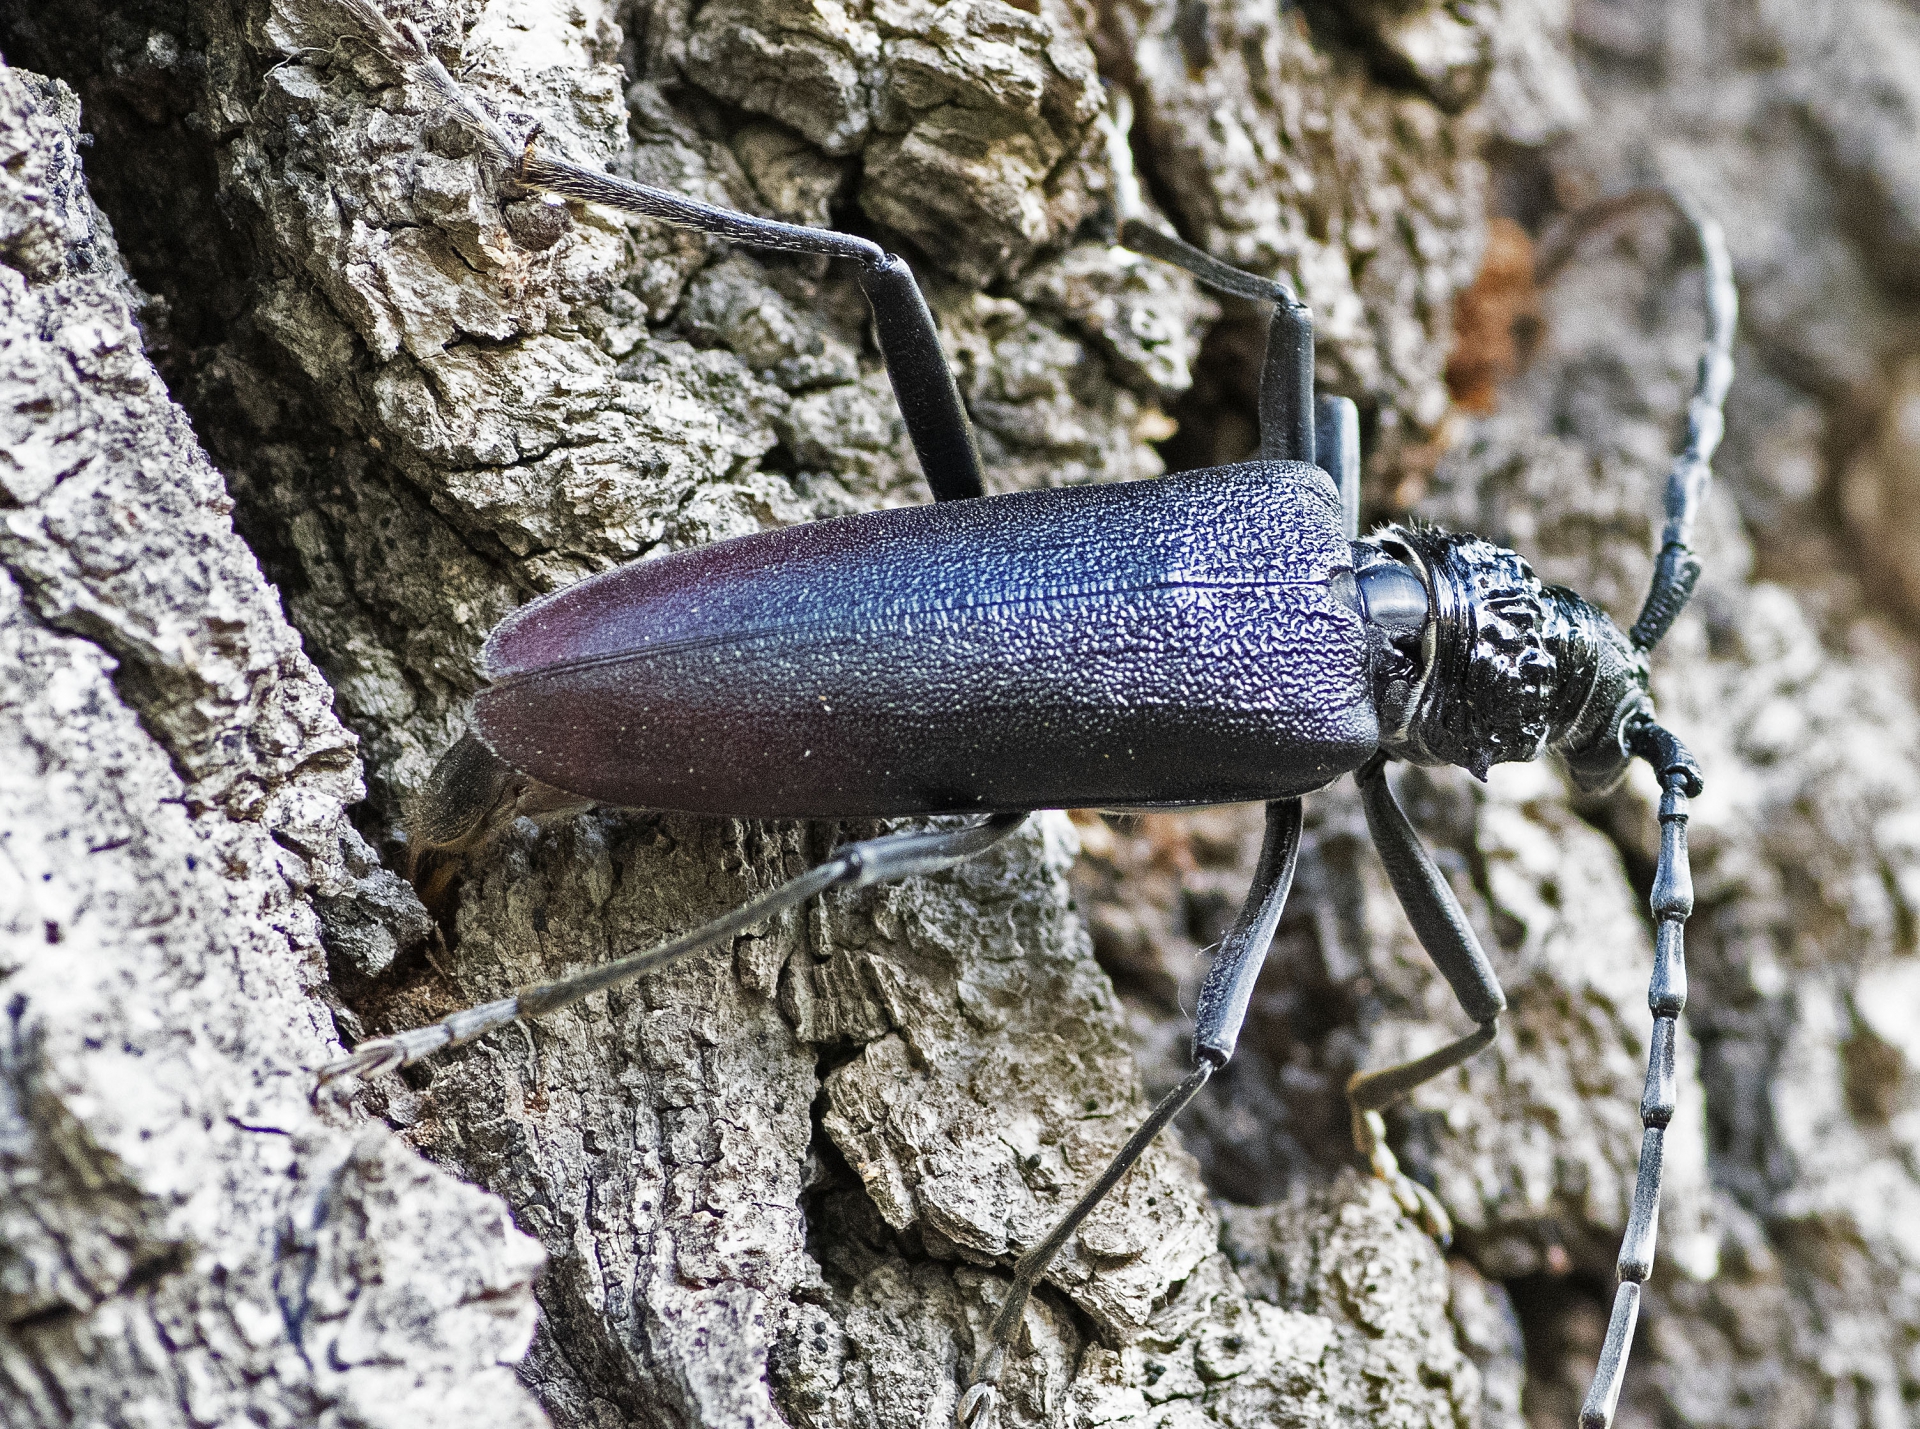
785,1185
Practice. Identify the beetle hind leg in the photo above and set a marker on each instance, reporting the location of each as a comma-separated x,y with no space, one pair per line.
858,865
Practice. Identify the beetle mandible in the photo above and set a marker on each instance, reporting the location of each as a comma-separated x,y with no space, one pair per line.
1209,637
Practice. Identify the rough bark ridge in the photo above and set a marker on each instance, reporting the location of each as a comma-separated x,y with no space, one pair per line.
181,1237
783,1186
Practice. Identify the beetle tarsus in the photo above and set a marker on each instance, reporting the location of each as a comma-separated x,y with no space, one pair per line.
469,798
369,1059
1416,1202
1369,1093
1029,1269
402,1049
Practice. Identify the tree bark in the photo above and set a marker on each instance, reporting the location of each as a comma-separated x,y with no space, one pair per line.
784,1184
181,1236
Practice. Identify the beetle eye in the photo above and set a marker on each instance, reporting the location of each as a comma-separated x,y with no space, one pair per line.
1393,599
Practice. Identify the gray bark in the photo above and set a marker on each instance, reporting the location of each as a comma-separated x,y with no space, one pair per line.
182,1237
783,1184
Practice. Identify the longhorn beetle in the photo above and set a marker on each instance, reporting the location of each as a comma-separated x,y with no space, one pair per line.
1209,637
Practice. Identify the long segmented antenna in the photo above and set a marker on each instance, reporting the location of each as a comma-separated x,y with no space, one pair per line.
1672,901
1678,567
1675,573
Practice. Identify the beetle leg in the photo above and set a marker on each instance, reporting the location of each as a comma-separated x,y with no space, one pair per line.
1222,1008
859,865
1336,451
1368,1093
1443,931
923,385
1286,375
1228,990
1287,415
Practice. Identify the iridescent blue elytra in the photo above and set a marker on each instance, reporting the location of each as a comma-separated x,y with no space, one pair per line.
1190,640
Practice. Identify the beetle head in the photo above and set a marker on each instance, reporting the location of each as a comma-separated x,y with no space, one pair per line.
1497,667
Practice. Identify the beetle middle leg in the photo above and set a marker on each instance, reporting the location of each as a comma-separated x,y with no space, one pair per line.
1221,1011
1444,932
1294,424
859,865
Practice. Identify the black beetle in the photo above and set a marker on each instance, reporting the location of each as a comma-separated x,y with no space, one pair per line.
1214,636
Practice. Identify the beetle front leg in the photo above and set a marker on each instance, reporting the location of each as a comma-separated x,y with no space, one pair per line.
1443,931
1217,1021
859,865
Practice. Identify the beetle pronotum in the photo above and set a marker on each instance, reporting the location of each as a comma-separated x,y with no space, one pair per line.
1213,636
